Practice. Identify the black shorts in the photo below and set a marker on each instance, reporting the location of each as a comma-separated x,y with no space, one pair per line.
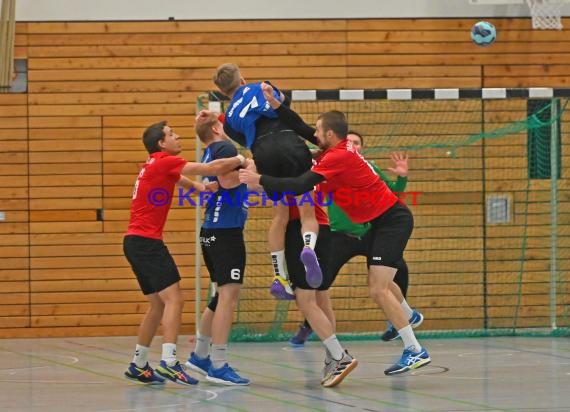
281,154
151,262
294,245
389,236
346,247
224,254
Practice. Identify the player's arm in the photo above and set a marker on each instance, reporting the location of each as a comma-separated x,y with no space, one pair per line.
288,116
297,185
233,134
192,184
230,179
214,168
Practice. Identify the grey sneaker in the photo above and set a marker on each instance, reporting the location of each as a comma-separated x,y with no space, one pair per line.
327,369
337,370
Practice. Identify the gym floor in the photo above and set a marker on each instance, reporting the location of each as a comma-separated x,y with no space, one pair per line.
475,374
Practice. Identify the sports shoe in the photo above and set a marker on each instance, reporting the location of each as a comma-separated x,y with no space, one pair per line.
197,364
175,373
409,360
226,376
338,370
143,375
391,333
327,369
314,275
281,289
302,335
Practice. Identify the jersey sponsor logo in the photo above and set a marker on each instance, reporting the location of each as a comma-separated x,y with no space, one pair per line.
207,240
376,258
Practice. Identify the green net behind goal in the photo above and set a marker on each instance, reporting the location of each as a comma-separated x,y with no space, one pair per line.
489,254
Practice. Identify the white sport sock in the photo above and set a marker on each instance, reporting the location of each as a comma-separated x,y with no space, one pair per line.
407,308
333,346
409,339
310,239
202,345
278,259
169,353
218,355
141,355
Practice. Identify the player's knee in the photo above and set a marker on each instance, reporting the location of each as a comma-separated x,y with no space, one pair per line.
378,293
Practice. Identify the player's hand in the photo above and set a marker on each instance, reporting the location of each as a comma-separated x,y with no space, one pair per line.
212,186
203,114
400,164
268,91
249,177
247,164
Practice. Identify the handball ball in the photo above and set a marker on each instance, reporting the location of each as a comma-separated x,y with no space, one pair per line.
483,33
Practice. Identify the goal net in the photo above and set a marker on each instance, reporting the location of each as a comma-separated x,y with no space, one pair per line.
490,249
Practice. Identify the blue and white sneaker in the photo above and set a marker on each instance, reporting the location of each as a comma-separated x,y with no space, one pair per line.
197,364
409,360
175,373
143,375
416,319
226,376
391,333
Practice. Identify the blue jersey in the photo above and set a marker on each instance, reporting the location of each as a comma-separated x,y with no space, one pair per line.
226,208
246,107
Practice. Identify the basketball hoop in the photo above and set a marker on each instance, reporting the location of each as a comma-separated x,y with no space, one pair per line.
545,14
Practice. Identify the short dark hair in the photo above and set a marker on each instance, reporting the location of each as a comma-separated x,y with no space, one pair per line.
354,132
336,121
152,135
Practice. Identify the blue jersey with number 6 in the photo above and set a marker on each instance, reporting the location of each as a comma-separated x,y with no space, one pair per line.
246,107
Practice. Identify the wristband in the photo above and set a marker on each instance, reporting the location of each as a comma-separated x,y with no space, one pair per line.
241,159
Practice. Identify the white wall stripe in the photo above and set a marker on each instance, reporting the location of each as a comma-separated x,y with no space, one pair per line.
351,94
538,92
214,106
494,93
303,95
446,94
399,94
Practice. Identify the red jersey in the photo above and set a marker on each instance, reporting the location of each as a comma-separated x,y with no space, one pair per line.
152,195
352,183
320,213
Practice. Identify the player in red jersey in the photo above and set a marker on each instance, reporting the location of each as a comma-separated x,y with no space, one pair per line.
315,304
149,257
342,172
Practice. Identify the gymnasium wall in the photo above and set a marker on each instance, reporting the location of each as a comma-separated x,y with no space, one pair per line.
82,10
72,145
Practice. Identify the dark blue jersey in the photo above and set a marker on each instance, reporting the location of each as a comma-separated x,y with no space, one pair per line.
226,208
246,108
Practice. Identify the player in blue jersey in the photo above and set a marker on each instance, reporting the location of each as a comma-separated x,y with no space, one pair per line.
223,248
277,151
